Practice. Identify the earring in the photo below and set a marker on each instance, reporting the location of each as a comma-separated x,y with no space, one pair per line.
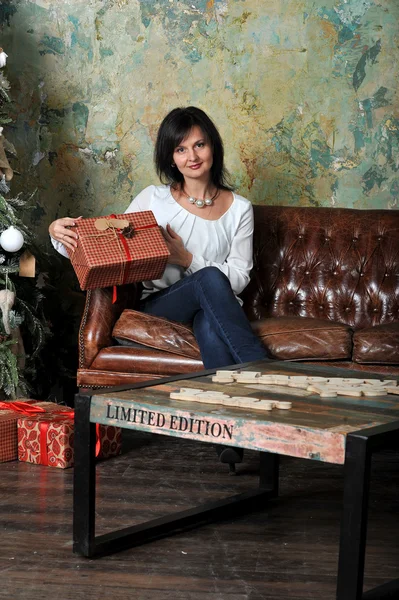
173,165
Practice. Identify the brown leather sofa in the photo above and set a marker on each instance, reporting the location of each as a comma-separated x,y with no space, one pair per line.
325,287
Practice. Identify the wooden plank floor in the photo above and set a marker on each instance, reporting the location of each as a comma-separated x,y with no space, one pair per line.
288,551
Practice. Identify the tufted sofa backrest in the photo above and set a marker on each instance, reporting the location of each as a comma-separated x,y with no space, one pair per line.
327,263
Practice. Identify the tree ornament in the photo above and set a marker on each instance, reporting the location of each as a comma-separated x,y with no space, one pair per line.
3,58
11,240
7,298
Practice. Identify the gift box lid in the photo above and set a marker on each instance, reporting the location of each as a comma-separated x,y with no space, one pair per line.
23,407
48,411
55,418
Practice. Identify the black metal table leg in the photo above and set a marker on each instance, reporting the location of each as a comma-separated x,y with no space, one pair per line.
354,519
359,449
84,489
269,472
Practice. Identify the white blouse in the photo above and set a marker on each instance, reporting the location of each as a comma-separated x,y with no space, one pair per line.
225,243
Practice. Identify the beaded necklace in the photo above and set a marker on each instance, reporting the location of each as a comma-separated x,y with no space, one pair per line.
199,202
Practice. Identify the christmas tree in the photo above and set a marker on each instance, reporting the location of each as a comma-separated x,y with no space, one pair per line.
22,324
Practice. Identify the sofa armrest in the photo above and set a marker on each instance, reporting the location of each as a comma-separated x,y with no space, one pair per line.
99,318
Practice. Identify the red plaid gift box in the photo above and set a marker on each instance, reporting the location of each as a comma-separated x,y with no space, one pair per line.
8,437
111,253
48,440
10,411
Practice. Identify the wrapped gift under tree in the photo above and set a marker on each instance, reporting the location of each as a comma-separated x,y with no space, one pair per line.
118,249
47,439
10,412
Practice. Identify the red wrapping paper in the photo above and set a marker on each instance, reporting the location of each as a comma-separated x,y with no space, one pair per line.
48,440
111,257
10,411
109,441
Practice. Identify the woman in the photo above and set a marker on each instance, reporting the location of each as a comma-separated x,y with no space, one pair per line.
208,230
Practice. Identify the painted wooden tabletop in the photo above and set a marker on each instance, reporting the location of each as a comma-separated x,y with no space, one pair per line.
315,428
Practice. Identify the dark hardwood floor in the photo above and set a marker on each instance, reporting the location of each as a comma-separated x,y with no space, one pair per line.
288,551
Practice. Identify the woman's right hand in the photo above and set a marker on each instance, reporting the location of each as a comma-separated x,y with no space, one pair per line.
61,231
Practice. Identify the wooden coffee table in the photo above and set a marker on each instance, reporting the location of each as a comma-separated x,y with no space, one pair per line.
342,430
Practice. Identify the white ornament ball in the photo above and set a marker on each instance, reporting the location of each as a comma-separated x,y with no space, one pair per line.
3,58
11,240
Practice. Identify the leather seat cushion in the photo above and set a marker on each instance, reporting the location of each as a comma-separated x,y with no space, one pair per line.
378,344
143,360
304,338
156,332
287,338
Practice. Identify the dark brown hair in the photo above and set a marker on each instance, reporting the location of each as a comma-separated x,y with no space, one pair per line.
175,127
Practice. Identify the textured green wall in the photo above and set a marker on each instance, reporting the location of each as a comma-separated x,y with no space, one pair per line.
304,94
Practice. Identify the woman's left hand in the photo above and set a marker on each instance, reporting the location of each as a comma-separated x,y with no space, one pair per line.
178,254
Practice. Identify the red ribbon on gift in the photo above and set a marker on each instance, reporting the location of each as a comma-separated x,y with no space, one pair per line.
22,407
129,257
60,417
98,440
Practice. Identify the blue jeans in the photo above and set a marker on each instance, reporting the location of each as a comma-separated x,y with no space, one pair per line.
206,301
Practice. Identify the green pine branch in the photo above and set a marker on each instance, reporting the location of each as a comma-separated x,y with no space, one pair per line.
36,328
4,95
9,375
